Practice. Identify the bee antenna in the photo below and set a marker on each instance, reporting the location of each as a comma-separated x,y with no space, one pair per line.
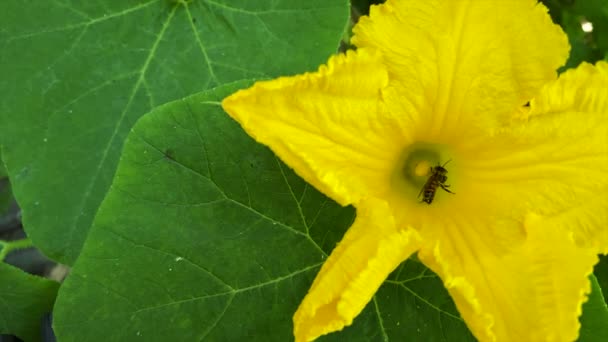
446,163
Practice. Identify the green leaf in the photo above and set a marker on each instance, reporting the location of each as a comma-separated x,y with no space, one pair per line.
594,321
600,31
76,75
6,195
6,199
24,299
582,48
3,172
601,273
585,46
206,235
362,6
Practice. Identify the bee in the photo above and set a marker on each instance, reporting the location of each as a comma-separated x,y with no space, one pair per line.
436,179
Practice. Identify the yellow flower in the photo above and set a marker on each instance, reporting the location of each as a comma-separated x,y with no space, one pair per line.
470,85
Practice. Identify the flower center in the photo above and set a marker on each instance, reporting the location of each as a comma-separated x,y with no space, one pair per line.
423,172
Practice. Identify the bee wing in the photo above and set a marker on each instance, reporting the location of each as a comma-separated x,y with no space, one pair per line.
428,181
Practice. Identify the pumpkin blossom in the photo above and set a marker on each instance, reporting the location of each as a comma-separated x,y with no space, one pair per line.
470,86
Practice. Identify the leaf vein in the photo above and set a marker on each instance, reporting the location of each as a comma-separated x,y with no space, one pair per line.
380,321
422,299
232,293
173,255
185,205
85,23
104,286
269,11
205,150
119,122
201,46
218,319
293,195
249,208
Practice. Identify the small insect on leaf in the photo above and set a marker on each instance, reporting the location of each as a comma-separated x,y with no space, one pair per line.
169,154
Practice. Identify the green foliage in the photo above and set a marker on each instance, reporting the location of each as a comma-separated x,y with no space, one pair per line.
570,15
78,75
362,6
208,232
6,198
24,299
3,172
6,195
594,321
601,272
203,234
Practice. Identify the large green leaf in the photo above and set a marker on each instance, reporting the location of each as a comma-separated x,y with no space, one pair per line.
6,196
205,235
601,273
24,299
3,173
594,321
76,75
6,199
570,14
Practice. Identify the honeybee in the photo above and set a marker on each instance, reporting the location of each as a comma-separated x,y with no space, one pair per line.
436,179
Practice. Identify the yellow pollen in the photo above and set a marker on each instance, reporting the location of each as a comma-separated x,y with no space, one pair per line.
422,168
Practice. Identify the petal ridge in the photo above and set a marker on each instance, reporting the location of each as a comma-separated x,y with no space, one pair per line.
532,292
470,62
331,120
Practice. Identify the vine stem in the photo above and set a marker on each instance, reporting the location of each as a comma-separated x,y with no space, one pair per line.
9,246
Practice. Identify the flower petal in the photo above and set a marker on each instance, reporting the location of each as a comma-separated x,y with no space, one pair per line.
554,160
464,61
370,250
532,292
328,125
584,91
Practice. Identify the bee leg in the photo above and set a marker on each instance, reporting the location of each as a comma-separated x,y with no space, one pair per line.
445,187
